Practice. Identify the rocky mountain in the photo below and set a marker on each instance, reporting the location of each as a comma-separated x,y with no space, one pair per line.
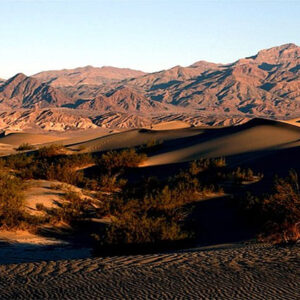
267,84
22,91
86,76
264,85
123,99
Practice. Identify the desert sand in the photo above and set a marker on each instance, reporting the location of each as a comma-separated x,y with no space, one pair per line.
254,136
169,125
41,267
226,272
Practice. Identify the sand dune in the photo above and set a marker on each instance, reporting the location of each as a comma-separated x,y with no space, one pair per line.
240,272
256,135
295,122
11,140
170,125
37,267
134,137
17,139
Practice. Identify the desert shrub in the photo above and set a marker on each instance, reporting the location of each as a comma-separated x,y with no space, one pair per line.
133,229
51,150
239,175
110,182
11,201
19,161
25,146
150,211
204,164
63,173
23,165
116,160
46,166
69,211
279,212
151,146
73,208
40,207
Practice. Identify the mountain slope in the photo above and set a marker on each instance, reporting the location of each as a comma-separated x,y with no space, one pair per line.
264,85
21,91
267,84
86,76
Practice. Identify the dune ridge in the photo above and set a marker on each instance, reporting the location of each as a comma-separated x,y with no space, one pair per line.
255,135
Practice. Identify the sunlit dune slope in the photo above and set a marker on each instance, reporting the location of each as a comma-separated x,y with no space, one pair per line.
295,122
135,137
17,139
170,125
255,135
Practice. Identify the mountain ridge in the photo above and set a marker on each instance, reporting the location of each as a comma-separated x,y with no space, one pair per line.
264,85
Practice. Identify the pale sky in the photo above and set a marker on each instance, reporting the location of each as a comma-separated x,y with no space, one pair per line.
147,35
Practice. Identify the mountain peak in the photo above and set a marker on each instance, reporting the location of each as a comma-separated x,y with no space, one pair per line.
18,76
279,54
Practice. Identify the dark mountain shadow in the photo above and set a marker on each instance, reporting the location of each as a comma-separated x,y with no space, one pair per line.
267,67
267,86
76,104
165,85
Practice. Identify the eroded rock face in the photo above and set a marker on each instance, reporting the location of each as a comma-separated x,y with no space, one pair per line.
264,85
46,119
22,91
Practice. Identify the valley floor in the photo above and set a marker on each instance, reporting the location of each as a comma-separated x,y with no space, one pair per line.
253,271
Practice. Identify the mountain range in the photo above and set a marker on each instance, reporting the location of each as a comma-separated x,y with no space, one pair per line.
264,85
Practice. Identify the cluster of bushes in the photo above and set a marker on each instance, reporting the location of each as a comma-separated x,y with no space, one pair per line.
149,217
114,161
49,163
11,200
216,171
54,163
154,211
278,213
150,211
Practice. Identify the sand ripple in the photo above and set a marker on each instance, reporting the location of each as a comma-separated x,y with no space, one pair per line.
246,272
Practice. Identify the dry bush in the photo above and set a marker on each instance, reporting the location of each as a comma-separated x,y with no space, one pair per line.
204,164
279,212
133,229
11,201
51,150
70,211
25,146
113,160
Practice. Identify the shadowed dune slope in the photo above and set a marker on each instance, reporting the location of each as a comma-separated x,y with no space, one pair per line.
256,135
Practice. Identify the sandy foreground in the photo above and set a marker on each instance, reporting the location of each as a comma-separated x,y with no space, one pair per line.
251,271
34,267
